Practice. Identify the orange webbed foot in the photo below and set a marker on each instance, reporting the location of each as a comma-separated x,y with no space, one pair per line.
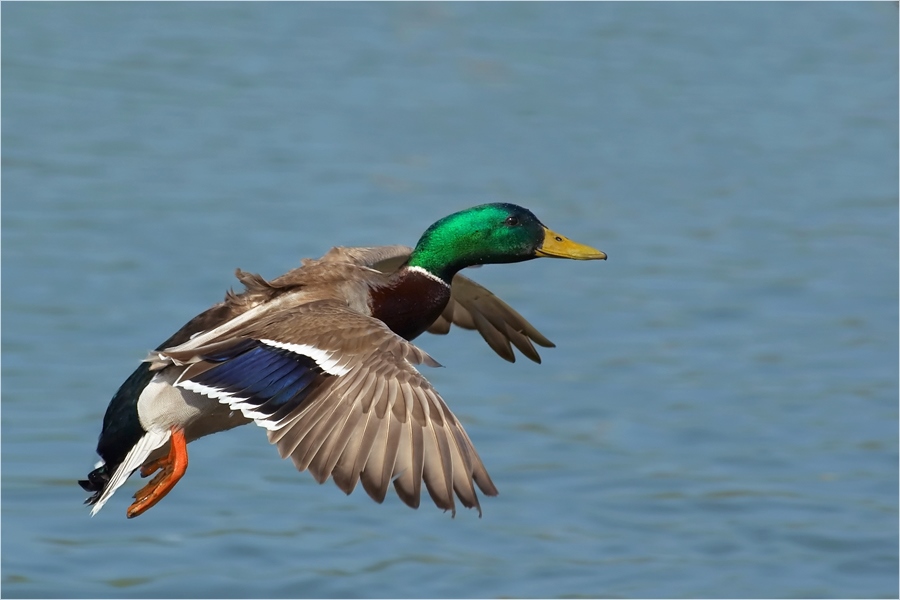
171,468
153,466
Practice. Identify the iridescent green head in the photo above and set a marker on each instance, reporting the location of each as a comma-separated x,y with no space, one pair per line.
491,233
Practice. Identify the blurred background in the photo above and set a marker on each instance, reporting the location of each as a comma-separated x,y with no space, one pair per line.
720,416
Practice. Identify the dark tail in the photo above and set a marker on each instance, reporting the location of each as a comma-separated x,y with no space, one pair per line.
96,482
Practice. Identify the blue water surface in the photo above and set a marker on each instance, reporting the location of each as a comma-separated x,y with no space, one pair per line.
720,415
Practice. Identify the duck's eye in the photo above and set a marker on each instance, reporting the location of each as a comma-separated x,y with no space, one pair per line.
512,221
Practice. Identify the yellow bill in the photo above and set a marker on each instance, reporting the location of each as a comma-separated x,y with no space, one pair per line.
558,246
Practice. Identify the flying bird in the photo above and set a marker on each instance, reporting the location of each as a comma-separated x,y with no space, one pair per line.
321,358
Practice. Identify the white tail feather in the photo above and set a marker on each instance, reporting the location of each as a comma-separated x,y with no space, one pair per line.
133,460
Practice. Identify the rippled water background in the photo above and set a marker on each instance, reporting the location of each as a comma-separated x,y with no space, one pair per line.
720,417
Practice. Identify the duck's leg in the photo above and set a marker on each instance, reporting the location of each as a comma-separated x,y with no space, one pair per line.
171,467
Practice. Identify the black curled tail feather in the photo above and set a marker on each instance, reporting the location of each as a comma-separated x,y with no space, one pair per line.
96,482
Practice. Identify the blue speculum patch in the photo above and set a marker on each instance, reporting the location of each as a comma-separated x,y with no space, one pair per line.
271,379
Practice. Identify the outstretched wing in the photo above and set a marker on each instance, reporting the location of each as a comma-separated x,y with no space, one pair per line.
339,393
471,305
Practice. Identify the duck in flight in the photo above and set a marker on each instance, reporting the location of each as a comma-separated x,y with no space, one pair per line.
321,358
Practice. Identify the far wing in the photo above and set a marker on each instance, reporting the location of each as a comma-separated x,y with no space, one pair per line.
473,306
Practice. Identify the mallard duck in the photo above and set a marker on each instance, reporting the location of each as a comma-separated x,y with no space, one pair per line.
321,359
